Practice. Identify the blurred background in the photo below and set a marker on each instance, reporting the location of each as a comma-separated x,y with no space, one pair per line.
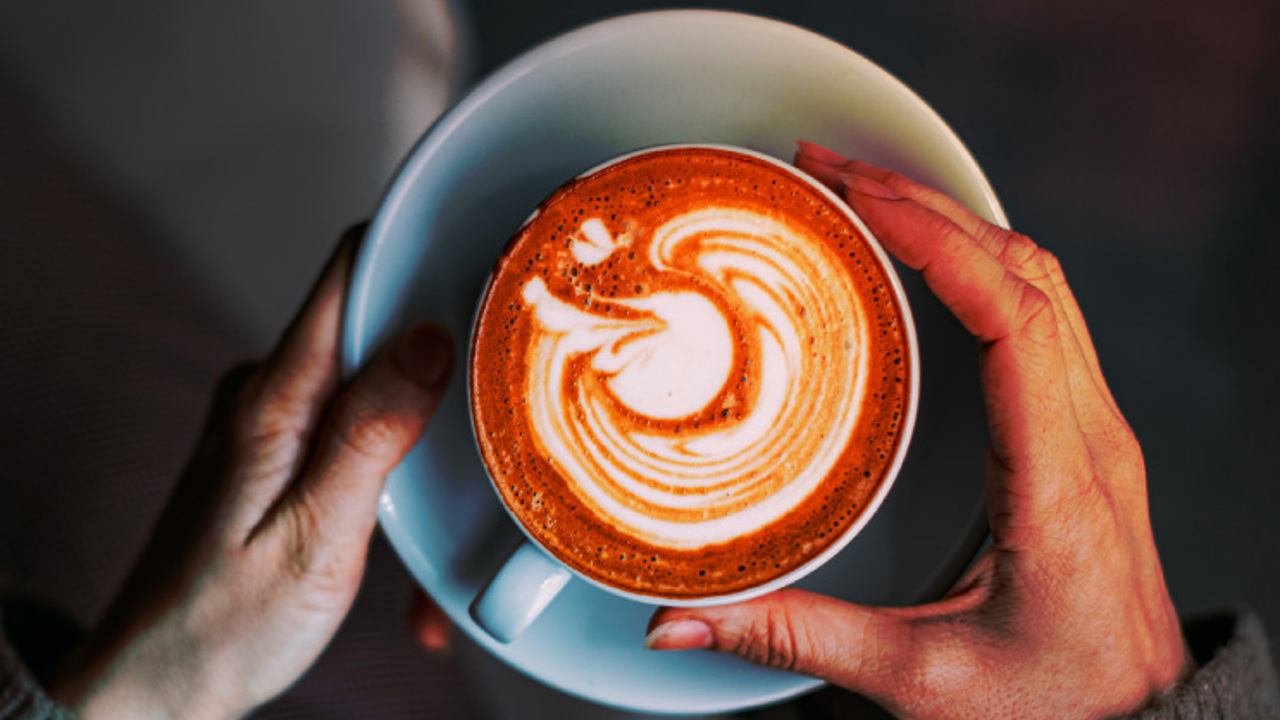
172,176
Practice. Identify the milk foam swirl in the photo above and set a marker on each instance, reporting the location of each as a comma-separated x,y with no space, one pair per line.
769,303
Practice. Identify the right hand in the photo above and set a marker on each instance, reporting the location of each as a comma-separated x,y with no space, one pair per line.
1066,615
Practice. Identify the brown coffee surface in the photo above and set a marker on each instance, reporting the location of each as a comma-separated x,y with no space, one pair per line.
689,373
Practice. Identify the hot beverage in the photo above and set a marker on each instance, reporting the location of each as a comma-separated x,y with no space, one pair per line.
690,372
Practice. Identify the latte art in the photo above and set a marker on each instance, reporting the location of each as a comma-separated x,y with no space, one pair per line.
689,373
717,475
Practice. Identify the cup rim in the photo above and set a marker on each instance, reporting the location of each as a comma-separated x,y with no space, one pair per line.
908,421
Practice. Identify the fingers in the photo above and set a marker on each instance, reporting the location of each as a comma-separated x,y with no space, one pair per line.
982,292
1029,408
1070,312
1016,252
1030,262
1045,392
1035,437
277,408
221,411
429,624
865,649
302,371
368,429
830,167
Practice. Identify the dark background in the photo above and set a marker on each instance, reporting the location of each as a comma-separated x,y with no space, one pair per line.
1139,141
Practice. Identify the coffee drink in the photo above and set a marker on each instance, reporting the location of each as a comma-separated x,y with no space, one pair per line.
690,373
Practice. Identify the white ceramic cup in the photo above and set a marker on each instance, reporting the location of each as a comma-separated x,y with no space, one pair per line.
570,103
531,577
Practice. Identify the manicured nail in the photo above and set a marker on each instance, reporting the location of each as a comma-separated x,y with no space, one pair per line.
864,185
820,154
679,635
424,354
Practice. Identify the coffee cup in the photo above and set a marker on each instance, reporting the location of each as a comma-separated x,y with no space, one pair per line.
693,378
585,96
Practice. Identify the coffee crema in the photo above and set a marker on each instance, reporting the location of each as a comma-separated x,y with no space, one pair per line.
689,373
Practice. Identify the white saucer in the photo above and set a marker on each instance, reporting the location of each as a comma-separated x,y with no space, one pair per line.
596,92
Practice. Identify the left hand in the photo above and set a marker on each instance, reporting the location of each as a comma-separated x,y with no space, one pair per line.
259,554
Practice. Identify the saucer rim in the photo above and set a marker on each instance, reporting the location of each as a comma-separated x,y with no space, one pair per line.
437,135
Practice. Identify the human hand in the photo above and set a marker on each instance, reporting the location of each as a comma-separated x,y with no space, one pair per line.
259,554
1066,615
428,622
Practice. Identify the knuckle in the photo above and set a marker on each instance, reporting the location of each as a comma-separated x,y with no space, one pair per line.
298,554
1017,251
1052,265
302,547
1123,452
938,225
316,552
364,429
1044,259
282,547
1131,451
898,182
1042,265
306,557
300,558
771,640
284,399
1032,311
936,228
1058,276
258,419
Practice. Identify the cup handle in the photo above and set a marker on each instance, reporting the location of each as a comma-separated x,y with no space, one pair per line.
518,593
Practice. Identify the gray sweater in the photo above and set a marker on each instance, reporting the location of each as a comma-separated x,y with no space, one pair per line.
1236,678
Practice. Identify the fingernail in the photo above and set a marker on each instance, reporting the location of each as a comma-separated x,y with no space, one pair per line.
435,638
864,185
679,635
424,354
820,154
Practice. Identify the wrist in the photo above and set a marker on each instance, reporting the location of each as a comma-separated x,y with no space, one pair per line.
136,685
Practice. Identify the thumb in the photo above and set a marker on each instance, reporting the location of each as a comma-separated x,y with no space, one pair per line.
854,646
370,426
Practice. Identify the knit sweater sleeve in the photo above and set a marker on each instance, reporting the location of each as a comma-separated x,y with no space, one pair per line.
1236,678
